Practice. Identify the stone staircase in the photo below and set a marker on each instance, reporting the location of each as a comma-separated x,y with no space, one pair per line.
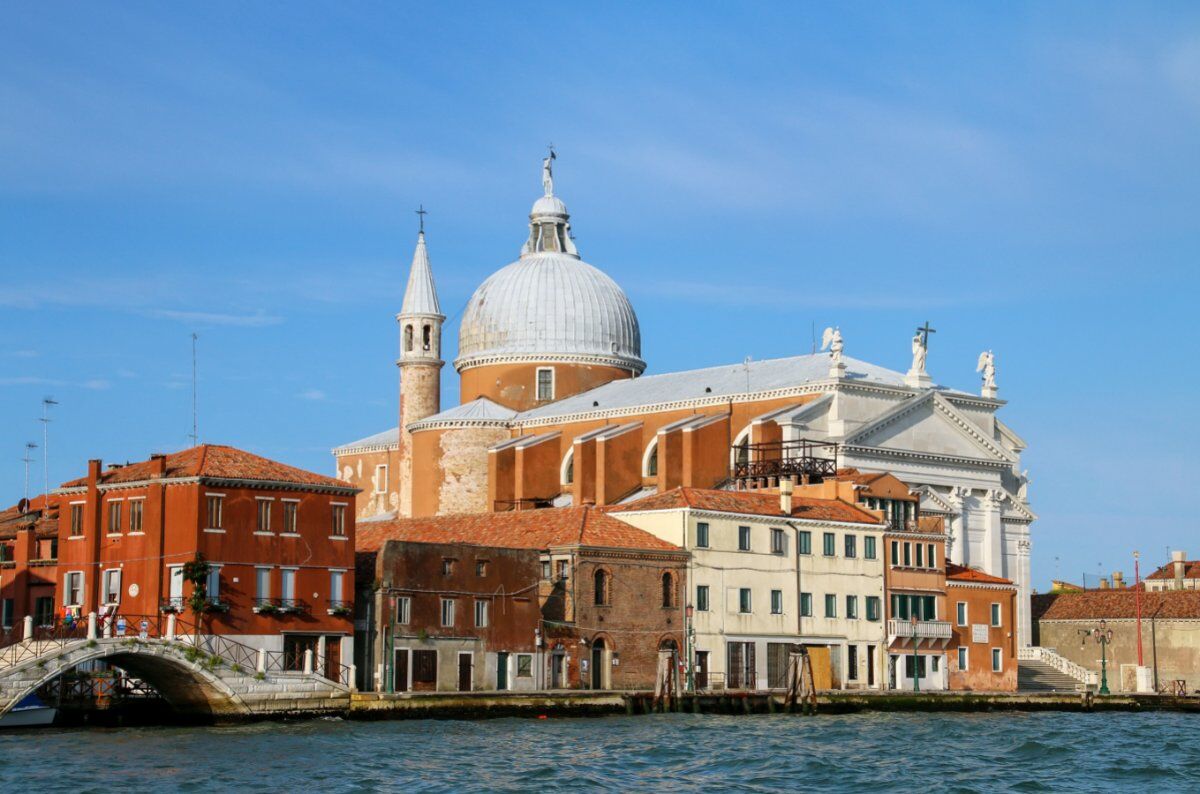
1036,676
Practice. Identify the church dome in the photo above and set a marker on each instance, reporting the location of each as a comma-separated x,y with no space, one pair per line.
549,305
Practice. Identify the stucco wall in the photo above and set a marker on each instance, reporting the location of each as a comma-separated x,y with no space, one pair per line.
1171,645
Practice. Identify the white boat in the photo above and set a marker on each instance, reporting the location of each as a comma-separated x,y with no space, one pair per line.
31,712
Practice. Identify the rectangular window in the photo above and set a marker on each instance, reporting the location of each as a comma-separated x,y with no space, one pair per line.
545,383
481,568
961,613
481,614
448,612
830,544
930,556
214,583
338,516
114,517
262,584
112,586
743,538
852,662
379,483
963,658
702,597
907,555
403,610
73,589
852,607
744,604
804,540
287,585
776,541
545,569
135,514
447,566
702,535
776,602
335,586
561,566
806,605
873,608
920,556
214,512
6,613
76,520
869,547
289,517
997,661
830,606
264,515
43,611
524,665
895,552
995,614
851,546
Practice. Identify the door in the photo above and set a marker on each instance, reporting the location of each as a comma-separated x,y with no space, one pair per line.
598,664
294,646
556,666
400,671
502,671
871,666
465,667
701,669
333,659
175,594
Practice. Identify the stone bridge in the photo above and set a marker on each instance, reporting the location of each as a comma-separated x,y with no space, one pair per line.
199,678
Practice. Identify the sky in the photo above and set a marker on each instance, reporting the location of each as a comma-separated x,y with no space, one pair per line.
1024,177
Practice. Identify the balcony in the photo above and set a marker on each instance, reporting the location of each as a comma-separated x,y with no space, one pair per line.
171,605
279,606
802,460
340,608
910,633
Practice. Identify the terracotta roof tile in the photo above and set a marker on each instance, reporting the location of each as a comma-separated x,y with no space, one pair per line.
1191,570
1114,604
45,522
522,529
216,461
750,503
959,573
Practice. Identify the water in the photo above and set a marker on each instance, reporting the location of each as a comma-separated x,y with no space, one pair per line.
921,752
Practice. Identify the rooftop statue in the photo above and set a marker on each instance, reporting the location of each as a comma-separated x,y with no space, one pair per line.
548,173
832,341
987,365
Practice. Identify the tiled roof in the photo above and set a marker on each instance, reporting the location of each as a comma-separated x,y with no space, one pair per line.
44,521
523,529
750,503
959,573
388,438
1191,570
215,461
1114,604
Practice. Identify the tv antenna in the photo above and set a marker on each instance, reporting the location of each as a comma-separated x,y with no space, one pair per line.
45,420
195,435
29,448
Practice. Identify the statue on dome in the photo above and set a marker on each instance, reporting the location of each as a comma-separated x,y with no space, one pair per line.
548,172
832,341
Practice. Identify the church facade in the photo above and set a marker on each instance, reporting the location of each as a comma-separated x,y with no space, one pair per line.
554,410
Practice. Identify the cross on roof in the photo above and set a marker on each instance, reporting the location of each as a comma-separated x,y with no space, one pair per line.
925,331
421,213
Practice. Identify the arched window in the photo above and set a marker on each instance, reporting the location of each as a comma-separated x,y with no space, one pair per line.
650,460
426,336
668,590
568,468
408,338
602,588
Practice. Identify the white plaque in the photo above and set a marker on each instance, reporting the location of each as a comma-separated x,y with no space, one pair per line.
979,632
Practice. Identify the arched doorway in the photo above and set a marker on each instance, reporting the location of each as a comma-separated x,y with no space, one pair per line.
599,664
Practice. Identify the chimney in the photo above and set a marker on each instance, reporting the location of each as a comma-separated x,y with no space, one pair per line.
1103,583
158,467
1118,580
1178,557
93,475
785,495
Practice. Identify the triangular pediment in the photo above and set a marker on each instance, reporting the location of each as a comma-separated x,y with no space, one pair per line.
928,424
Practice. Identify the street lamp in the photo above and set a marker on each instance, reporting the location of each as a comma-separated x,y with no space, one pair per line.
1103,637
916,661
691,647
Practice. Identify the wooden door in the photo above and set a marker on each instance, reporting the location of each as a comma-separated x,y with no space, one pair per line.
464,672
501,671
701,669
400,671
333,659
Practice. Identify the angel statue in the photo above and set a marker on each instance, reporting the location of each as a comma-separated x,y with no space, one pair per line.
987,365
832,341
919,351
548,172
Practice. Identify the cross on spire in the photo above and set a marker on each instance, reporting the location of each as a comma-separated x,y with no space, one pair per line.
421,213
925,331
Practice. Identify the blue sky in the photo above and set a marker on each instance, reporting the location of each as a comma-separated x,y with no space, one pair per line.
1026,177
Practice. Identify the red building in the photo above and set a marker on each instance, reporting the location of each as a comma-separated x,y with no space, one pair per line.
28,562
984,647
278,543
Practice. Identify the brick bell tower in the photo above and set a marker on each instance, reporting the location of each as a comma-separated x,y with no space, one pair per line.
420,361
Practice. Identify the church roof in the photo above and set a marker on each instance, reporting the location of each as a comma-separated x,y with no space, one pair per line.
420,296
960,573
479,410
388,438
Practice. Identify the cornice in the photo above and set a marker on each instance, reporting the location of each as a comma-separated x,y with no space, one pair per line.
622,362
776,518
908,454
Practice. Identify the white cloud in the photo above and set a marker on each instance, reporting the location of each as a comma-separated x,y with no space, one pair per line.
256,320
313,394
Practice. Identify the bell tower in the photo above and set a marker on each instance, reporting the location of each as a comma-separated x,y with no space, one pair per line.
420,361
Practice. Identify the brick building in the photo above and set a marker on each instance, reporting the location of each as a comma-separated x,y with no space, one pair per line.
28,562
541,599
279,542
983,651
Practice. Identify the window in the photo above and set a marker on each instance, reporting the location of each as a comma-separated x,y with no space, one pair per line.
908,555
804,541
264,515
339,521
995,614
776,541
447,611
135,514
335,586
702,535
379,483
920,555
830,544
852,607
668,590
481,614
289,517
963,658
262,584
76,520
481,569
743,538
806,605
852,662
997,661
561,569
524,665
601,588
426,336
287,581
930,556
831,606
403,610
652,461
744,600
776,602
424,667
447,566
73,589
408,338
920,607
545,383
112,586
702,598
873,608
545,569
895,552
114,517
6,613
43,611
214,511
851,546
869,547
961,613
214,583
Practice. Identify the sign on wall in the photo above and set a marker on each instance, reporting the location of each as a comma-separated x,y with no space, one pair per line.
979,632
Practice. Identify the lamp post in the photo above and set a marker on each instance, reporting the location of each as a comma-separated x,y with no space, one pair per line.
1137,595
690,638
1103,636
916,660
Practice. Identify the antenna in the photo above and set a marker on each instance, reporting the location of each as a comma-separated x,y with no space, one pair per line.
814,337
45,420
195,434
29,448
746,364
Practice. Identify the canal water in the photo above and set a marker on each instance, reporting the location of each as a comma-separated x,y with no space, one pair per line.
674,752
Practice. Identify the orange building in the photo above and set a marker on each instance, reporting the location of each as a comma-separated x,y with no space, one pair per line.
278,542
28,562
984,648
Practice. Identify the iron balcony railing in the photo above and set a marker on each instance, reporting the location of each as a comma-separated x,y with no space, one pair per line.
801,460
280,606
920,629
